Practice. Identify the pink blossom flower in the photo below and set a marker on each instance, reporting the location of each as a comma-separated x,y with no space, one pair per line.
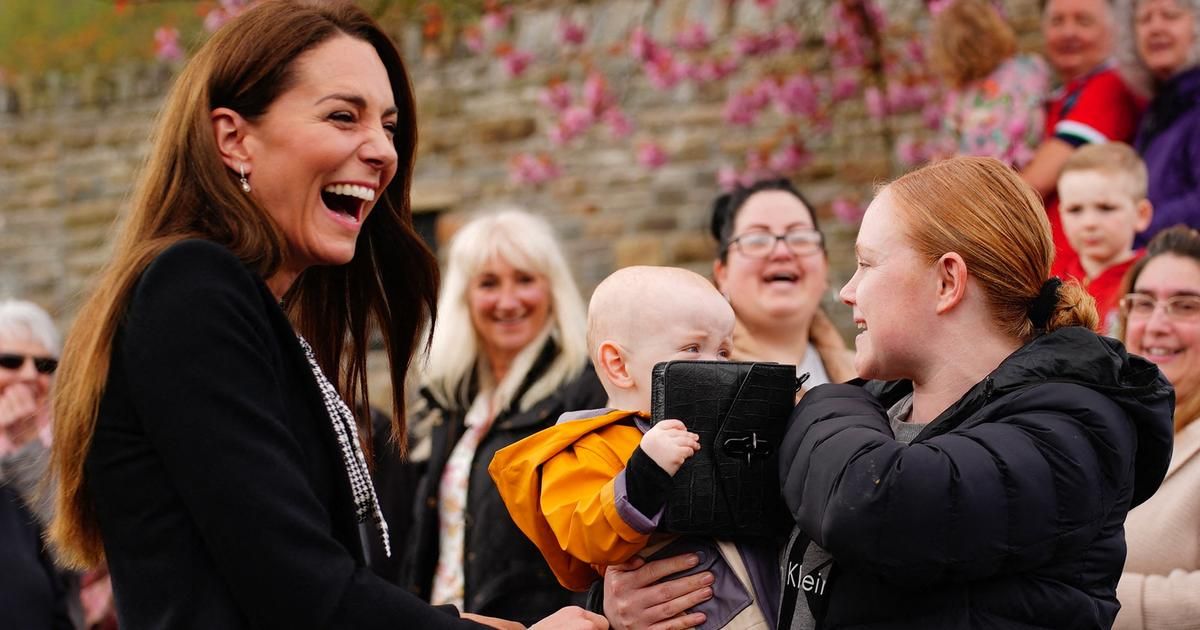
577,119
798,94
215,19
663,71
642,46
741,109
788,38
572,122
570,33
556,97
845,86
473,39
713,69
496,19
516,62
873,99
933,114
651,155
527,168
618,123
847,210
904,97
937,6
914,49
693,37
909,151
596,96
166,44
791,158
765,5
727,178
229,9
755,44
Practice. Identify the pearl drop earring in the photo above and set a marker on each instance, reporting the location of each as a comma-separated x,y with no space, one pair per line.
245,182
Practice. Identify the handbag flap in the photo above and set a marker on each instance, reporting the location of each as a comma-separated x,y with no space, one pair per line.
739,410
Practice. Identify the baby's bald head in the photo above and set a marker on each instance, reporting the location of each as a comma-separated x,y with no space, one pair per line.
656,314
633,300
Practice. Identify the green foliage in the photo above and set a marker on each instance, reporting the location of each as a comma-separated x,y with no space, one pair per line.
41,35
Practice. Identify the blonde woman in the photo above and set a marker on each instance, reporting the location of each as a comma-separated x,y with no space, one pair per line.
508,356
1160,317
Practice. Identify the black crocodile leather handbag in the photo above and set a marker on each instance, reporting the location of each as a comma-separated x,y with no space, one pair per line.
730,487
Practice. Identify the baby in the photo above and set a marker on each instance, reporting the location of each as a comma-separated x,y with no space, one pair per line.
590,491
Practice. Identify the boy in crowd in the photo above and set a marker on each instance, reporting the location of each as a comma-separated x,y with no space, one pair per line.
589,491
1103,205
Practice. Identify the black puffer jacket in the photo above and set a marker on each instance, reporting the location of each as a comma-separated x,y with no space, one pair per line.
505,574
1007,511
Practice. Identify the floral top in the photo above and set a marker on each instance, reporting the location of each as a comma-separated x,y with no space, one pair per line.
1001,115
448,581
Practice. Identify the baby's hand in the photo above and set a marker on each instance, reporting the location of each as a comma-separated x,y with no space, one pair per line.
669,444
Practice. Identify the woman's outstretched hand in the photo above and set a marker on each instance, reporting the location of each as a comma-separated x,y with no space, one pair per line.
633,600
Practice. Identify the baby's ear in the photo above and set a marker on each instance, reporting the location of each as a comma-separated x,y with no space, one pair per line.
1145,212
610,360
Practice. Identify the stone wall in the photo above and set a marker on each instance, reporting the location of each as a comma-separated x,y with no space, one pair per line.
70,147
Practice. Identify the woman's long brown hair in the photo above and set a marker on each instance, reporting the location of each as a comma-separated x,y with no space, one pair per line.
184,191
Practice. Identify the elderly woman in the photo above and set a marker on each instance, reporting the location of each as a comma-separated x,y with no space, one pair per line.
772,267
1162,60
33,593
994,101
1160,588
204,438
507,358
1092,106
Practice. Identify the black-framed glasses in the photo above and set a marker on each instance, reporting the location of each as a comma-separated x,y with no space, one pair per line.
758,244
1177,307
44,365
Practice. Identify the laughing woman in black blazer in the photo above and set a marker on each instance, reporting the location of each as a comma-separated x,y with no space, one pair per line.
203,446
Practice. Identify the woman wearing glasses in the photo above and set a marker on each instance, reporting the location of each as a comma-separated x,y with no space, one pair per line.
1160,315
772,267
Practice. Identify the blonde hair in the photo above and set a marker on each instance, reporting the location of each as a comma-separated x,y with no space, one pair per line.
981,209
1111,158
185,191
970,39
526,242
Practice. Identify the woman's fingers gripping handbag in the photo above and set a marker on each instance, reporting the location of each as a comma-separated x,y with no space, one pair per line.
730,487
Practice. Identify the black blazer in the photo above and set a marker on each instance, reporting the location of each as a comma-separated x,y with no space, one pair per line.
220,496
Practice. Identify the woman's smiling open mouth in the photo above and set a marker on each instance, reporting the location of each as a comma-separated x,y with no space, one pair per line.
347,200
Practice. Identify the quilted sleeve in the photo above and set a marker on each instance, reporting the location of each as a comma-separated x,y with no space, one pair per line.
995,498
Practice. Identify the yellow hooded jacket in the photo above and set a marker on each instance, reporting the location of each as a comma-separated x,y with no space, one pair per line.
558,487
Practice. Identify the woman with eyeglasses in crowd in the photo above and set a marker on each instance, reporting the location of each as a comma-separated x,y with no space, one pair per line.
33,593
772,266
1160,320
